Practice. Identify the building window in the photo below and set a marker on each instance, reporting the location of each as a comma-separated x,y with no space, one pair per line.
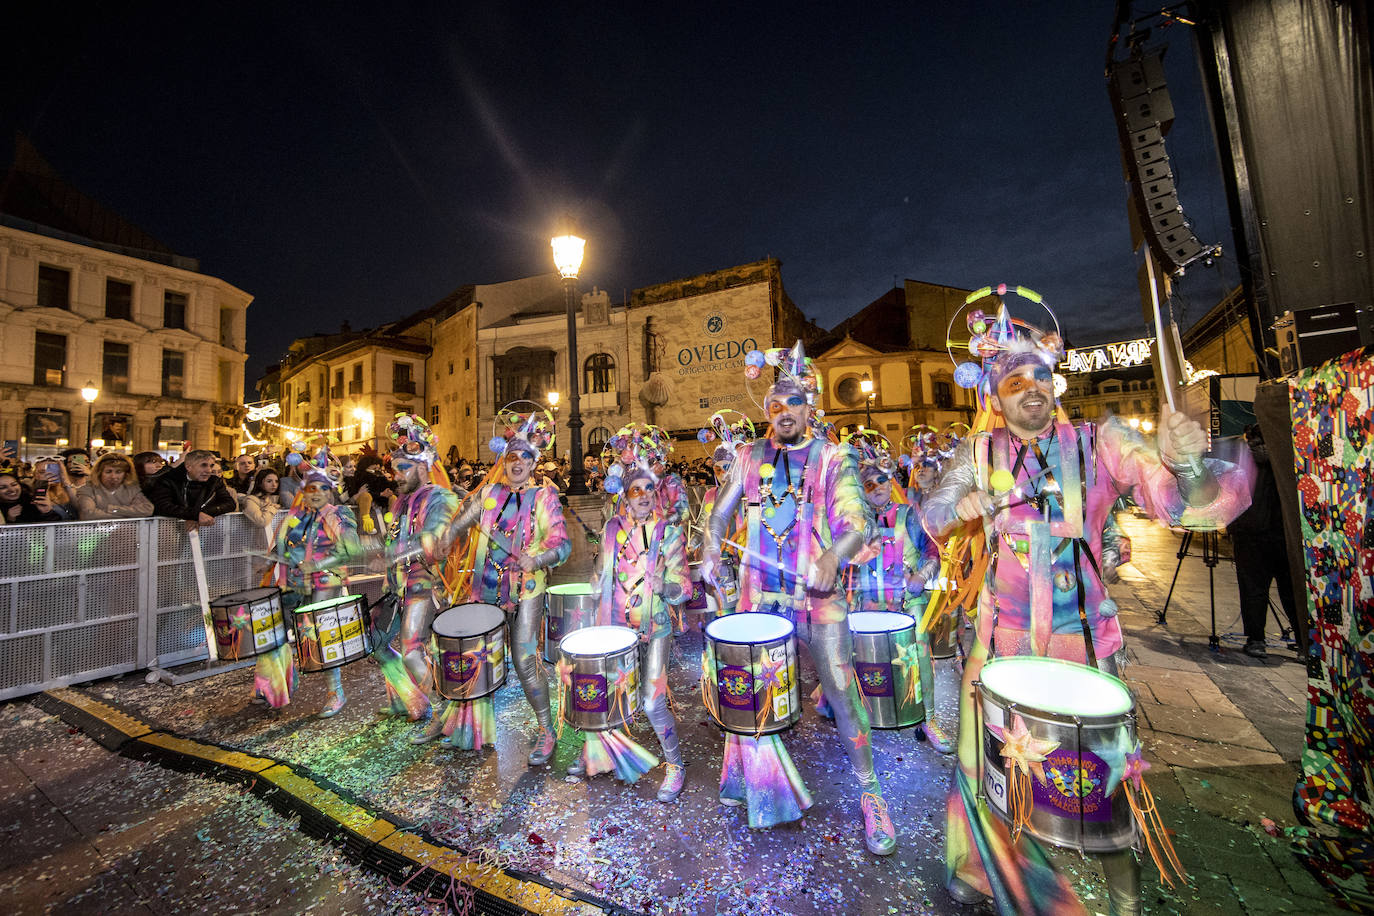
54,287
174,310
521,374
355,384
47,427
401,381
119,299
467,411
114,427
450,367
173,374
1114,407
227,337
169,432
596,440
434,415
466,364
115,367
598,373
848,391
336,393
944,394
50,359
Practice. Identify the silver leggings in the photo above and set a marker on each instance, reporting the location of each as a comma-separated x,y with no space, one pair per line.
416,622
524,627
831,647
653,663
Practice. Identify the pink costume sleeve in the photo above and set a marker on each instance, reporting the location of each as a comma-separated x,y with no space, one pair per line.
675,563
549,532
1136,471
844,500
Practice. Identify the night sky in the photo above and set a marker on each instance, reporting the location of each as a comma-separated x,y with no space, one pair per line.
361,165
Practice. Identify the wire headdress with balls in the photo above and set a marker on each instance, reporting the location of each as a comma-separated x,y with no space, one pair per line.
513,429
731,429
1001,343
637,449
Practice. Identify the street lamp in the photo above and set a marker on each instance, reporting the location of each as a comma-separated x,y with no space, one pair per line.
866,386
552,397
88,394
567,257
364,417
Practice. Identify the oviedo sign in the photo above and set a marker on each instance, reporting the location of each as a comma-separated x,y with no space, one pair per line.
1108,356
714,355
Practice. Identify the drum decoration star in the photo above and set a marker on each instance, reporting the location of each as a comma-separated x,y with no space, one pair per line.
907,659
770,673
1022,750
1116,755
242,618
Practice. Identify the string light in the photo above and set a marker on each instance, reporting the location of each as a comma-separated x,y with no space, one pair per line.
308,429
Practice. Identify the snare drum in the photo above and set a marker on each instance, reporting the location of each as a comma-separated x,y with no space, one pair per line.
751,664
882,638
1085,713
567,607
703,600
471,641
697,602
604,693
331,633
235,613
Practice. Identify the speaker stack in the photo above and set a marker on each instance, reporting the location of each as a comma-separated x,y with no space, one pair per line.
1144,114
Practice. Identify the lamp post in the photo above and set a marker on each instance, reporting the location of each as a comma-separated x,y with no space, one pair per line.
88,394
866,386
567,257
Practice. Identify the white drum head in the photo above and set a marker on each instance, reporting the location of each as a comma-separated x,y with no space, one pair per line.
598,641
468,620
247,596
570,588
750,629
328,604
1056,686
879,621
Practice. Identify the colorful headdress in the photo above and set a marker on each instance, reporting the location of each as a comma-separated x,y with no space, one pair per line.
874,452
1002,343
512,429
731,434
324,470
634,450
796,372
414,439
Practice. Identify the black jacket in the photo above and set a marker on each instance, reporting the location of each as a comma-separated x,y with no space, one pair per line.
175,495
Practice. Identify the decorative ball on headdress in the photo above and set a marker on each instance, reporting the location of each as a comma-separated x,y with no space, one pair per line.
293,459
497,445
754,358
966,375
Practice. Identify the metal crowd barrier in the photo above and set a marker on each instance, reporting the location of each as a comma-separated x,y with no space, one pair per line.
84,600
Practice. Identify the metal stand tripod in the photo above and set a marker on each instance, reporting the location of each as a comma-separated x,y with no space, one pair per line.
1211,542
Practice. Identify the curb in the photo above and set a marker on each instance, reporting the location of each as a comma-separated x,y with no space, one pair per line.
371,838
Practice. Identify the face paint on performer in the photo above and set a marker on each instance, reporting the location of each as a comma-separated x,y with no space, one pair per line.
926,478
1025,398
519,465
788,412
877,489
639,498
315,495
722,470
409,475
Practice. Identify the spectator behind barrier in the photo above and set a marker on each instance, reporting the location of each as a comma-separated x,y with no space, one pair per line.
192,491
19,507
113,491
262,502
148,465
244,467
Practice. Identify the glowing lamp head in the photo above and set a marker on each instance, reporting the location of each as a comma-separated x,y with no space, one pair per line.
553,398
567,255
89,392
362,414
866,384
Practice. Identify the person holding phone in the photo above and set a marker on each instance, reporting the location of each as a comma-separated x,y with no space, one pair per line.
20,507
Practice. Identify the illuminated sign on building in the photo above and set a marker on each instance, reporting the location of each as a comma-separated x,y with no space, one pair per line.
1108,356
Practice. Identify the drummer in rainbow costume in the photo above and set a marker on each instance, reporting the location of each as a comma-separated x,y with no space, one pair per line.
805,518
314,540
730,432
516,534
1034,491
419,532
670,495
891,574
643,570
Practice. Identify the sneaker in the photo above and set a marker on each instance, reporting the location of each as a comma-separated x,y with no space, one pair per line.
879,835
965,893
1255,648
434,729
395,708
731,802
577,767
332,706
543,749
937,738
673,781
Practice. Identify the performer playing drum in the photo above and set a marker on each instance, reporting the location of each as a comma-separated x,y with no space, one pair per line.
518,535
643,570
805,518
902,560
1038,490
314,541
419,533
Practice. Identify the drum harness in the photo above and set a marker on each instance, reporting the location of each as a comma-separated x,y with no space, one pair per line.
1085,442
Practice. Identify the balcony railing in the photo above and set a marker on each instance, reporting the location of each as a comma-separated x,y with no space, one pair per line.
336,393
303,397
406,386
355,386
